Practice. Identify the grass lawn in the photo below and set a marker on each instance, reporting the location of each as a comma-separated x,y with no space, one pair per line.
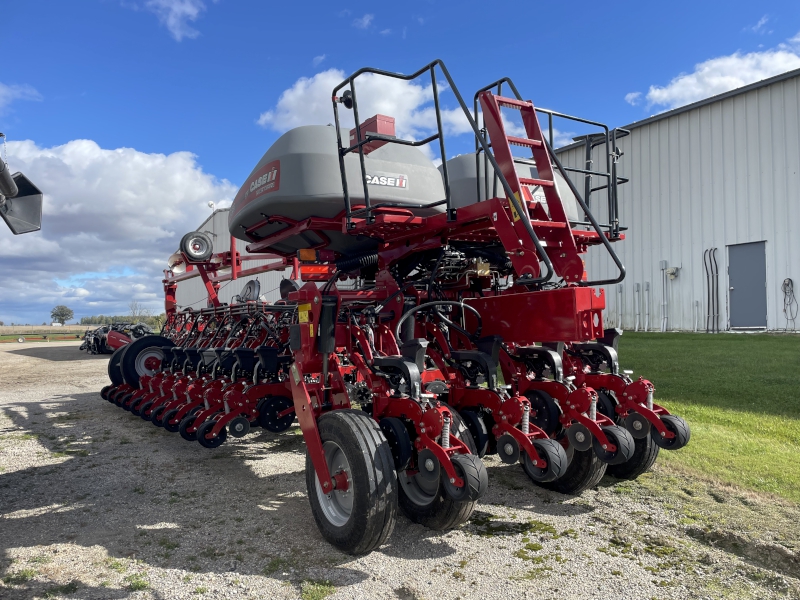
40,337
741,397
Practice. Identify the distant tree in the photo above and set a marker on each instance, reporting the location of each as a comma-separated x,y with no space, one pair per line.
44,323
61,314
138,311
1,323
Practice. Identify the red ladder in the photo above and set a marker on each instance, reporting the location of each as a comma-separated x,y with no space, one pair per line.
561,246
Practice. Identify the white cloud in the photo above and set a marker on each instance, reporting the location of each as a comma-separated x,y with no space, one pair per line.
318,60
9,93
364,22
761,26
633,98
176,15
725,73
308,102
111,218
386,32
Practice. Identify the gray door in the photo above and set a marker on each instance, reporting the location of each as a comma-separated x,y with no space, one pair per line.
747,282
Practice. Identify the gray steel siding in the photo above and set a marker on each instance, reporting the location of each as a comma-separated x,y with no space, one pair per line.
192,293
720,174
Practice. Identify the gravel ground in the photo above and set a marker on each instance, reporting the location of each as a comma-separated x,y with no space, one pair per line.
96,503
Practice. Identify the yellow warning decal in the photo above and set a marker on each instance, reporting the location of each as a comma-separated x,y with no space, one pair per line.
514,213
310,330
304,313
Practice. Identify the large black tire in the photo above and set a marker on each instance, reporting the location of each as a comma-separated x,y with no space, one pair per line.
585,471
134,355
114,372
435,508
644,455
621,438
361,518
477,429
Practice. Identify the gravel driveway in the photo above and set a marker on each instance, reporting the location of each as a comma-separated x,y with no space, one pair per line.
96,503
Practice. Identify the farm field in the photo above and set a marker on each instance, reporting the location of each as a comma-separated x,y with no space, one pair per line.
96,503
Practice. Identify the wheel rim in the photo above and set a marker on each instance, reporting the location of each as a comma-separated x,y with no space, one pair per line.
419,490
149,361
197,247
338,505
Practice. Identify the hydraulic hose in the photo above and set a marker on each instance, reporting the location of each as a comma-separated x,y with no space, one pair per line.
433,305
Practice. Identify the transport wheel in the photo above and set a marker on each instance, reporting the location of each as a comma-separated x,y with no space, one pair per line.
213,442
477,429
114,372
156,415
545,413
196,246
183,428
556,458
360,518
621,439
585,471
644,455
269,410
142,357
169,416
143,408
677,426
470,468
425,501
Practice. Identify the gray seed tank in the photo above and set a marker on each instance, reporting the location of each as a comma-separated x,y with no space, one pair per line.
299,177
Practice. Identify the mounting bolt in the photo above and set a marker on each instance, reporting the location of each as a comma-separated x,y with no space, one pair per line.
452,480
316,299
663,434
637,425
605,446
326,484
429,465
536,462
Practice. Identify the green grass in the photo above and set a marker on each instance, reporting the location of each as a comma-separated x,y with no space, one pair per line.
19,577
741,397
316,590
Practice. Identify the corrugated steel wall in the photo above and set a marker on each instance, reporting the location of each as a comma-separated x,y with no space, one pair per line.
716,175
193,293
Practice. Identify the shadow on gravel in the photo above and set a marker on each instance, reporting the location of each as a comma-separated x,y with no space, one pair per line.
137,491
59,353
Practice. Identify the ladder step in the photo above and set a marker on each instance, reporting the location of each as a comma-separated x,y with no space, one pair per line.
524,142
541,182
512,102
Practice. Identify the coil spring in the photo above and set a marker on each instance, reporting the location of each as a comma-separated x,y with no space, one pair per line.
446,433
525,426
353,262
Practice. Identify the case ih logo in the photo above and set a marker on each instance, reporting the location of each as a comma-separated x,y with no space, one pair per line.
268,180
400,181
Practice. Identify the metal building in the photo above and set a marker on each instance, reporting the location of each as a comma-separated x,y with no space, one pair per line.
192,293
724,174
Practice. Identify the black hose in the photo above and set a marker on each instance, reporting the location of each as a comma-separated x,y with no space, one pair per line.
432,305
7,186
350,263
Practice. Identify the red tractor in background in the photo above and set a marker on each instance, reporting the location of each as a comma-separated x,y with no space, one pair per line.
445,314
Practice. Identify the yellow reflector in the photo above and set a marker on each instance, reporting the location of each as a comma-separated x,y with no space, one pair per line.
307,254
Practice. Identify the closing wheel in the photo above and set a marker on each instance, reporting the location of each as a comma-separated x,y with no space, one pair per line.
677,426
621,439
167,418
584,471
476,480
142,410
105,390
545,413
156,416
123,400
477,429
426,502
183,428
210,442
269,413
239,427
644,456
359,519
554,454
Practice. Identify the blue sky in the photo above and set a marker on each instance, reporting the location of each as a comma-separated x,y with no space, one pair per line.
133,114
